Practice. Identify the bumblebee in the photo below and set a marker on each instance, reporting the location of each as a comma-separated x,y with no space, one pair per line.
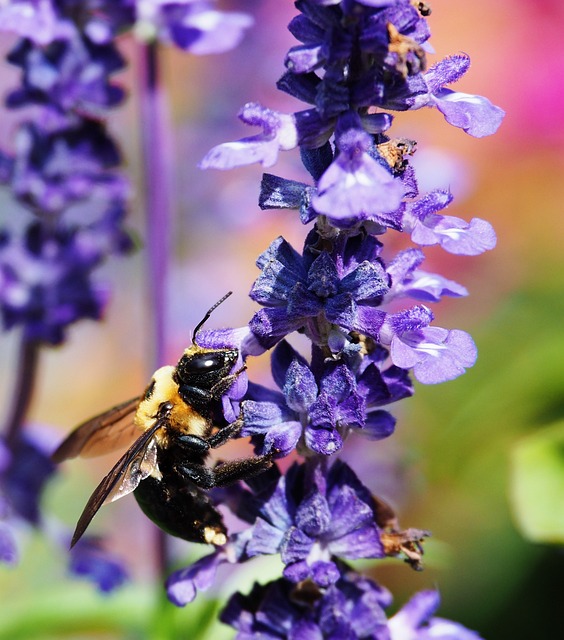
169,432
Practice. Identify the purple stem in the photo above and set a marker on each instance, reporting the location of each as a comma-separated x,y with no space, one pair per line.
155,135
24,386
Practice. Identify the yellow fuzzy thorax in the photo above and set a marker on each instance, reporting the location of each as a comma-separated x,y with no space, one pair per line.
182,418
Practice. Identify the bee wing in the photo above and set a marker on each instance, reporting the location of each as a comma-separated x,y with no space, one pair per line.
136,464
113,429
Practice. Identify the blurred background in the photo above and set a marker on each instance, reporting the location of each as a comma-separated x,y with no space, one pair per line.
461,461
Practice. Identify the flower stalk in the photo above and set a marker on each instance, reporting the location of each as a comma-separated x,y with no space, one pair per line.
24,387
156,171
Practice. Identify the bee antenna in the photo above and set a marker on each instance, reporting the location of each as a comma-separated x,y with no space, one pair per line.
208,314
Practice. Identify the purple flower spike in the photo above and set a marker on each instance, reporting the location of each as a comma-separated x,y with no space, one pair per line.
46,282
279,133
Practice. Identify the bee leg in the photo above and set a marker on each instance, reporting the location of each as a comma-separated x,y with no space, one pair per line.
223,385
225,433
199,474
193,443
225,473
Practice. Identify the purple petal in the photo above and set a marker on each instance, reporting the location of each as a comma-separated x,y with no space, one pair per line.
305,58
283,437
324,573
8,547
279,133
476,115
313,516
446,71
271,325
202,32
348,512
266,539
182,586
322,277
282,357
367,282
279,509
368,320
296,546
462,238
88,559
378,425
363,542
323,441
349,192
414,620
439,355
300,388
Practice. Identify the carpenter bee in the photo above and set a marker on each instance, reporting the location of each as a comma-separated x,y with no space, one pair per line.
169,432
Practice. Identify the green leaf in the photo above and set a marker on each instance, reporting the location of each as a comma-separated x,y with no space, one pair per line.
537,484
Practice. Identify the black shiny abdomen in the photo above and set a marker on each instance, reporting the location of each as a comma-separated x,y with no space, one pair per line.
174,503
182,511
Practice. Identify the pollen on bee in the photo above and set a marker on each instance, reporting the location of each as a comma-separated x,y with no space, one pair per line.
213,536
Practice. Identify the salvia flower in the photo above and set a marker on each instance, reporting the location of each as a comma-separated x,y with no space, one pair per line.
428,227
314,517
353,608
356,186
279,133
317,411
341,287
476,115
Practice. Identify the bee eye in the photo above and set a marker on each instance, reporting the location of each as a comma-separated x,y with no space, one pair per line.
204,362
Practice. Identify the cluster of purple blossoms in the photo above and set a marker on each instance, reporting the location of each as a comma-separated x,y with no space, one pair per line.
366,314
70,201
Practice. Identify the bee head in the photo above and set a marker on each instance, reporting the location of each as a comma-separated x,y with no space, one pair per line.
204,368
204,375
